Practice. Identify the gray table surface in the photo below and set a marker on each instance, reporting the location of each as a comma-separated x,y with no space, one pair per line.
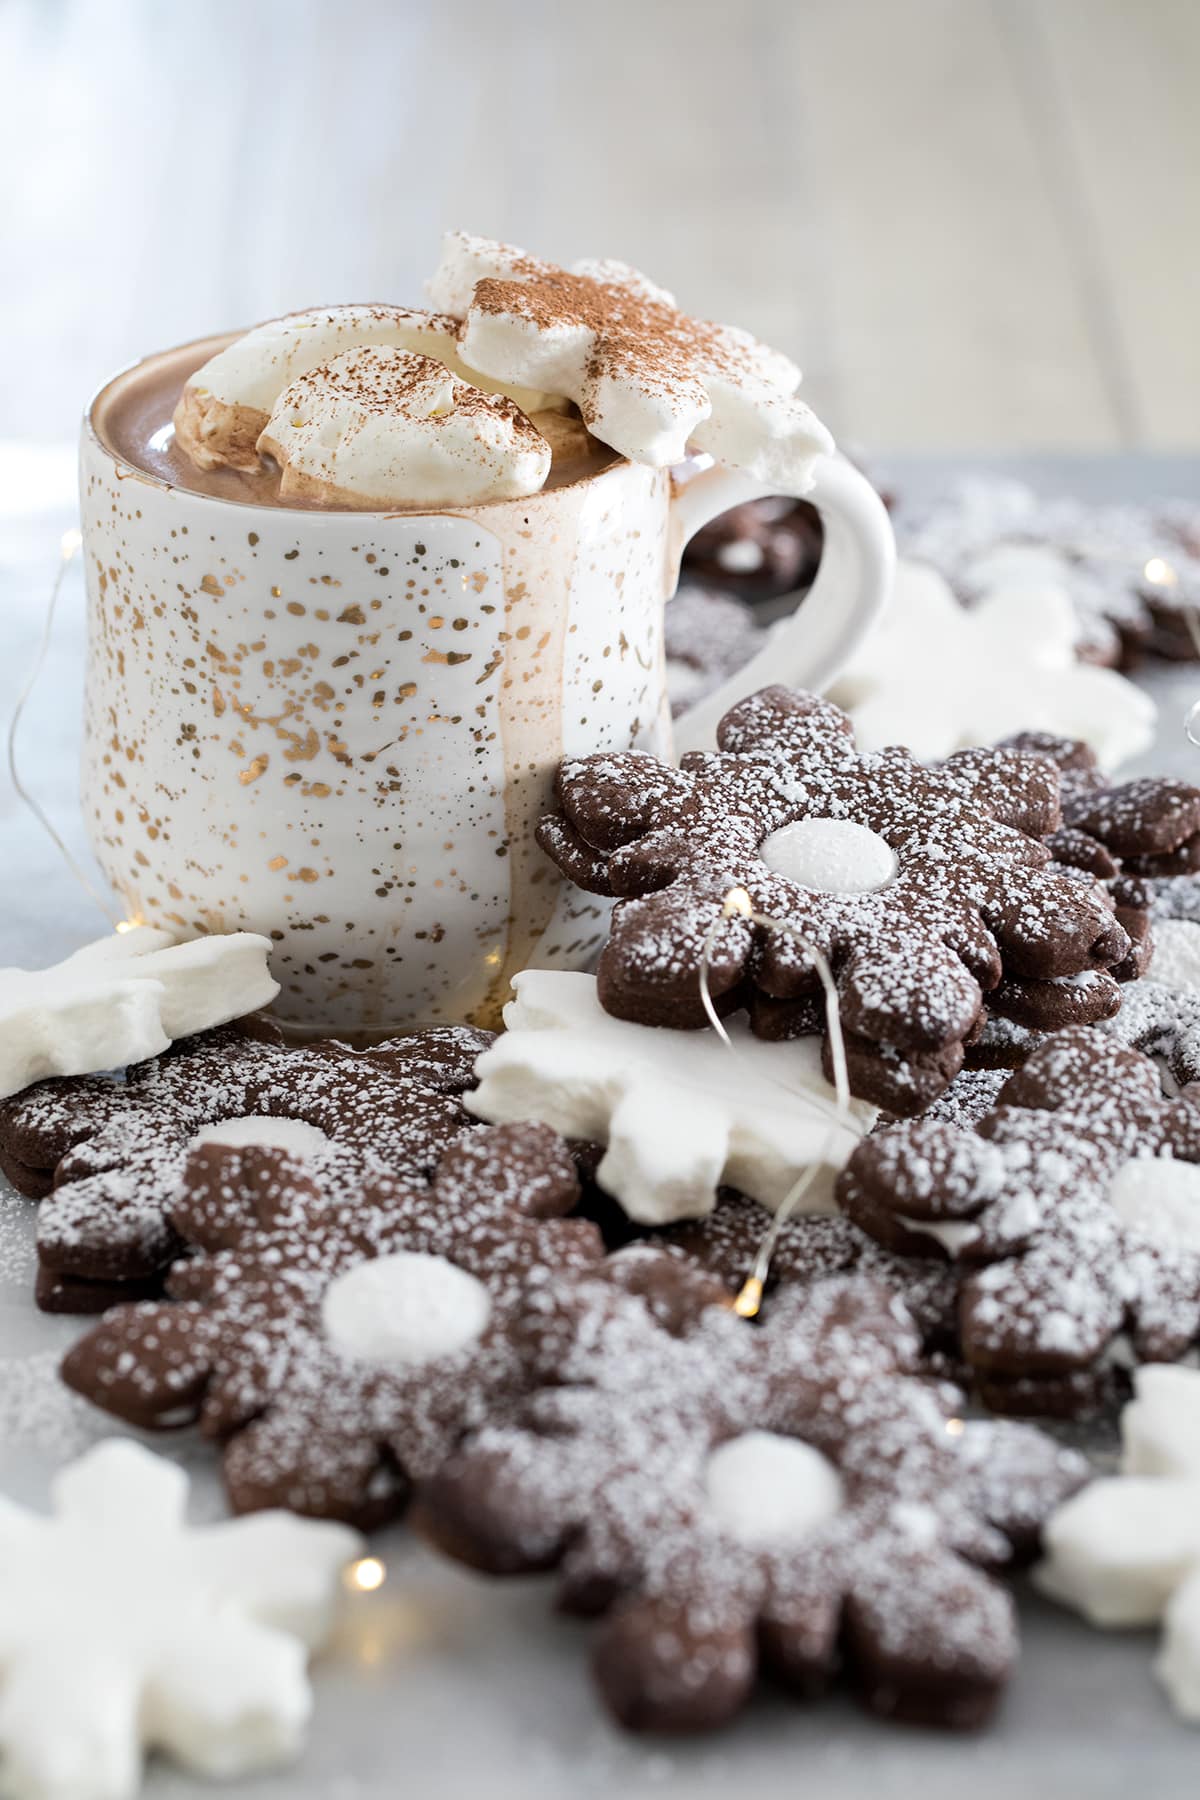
444,1683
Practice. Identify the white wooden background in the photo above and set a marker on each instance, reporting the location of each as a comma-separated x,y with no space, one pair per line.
975,222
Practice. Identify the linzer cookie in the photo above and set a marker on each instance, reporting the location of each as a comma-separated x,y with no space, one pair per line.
924,888
108,1155
337,1346
738,1498
1073,1208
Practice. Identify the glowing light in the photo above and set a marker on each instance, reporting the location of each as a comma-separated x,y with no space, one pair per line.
366,1575
71,541
738,905
750,1299
1160,572
955,1427
124,925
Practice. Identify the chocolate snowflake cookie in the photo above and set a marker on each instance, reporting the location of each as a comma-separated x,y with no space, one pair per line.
108,1155
810,1249
923,887
337,1347
758,550
734,1496
1163,1021
1074,1209
708,637
1133,834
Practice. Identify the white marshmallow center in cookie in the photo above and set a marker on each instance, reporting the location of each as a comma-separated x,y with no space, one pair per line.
1160,1198
766,1490
832,856
951,1234
405,1309
271,1134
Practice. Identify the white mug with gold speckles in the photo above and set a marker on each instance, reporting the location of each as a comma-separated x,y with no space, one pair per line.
341,728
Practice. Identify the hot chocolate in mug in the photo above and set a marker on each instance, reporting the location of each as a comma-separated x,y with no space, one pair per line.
341,728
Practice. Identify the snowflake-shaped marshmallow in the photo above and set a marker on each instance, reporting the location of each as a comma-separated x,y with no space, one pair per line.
681,1114
1131,571
337,1345
648,380
1126,1551
923,887
733,1494
109,1155
1074,1207
125,998
125,1630
939,677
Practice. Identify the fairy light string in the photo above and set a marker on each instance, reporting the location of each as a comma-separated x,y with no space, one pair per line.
738,904
69,549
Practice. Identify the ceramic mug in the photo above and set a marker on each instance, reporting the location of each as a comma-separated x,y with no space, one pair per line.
340,729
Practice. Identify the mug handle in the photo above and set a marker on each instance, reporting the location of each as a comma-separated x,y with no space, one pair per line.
852,586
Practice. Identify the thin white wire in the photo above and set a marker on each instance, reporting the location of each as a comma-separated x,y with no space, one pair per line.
70,549
739,906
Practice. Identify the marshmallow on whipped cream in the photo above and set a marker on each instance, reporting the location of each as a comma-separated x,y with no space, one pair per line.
649,381
378,427
225,405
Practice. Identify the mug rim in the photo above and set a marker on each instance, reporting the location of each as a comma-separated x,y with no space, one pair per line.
92,434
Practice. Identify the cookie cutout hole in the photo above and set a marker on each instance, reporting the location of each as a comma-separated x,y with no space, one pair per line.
830,856
263,1132
405,1309
768,1491
1159,1198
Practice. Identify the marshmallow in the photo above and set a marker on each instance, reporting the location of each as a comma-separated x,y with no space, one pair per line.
649,381
123,999
680,1113
378,427
937,676
226,403
1126,1551
129,1630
